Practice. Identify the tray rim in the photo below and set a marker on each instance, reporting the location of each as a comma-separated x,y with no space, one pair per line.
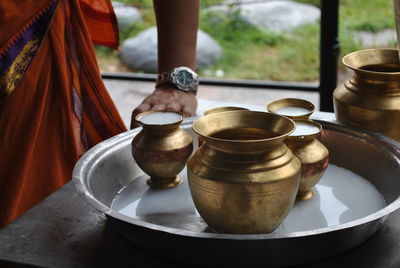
113,143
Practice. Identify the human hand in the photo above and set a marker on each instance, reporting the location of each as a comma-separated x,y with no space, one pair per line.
165,98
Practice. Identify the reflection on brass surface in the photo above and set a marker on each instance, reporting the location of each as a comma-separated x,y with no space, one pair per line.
314,158
224,109
370,99
243,133
243,179
385,68
219,110
274,106
161,151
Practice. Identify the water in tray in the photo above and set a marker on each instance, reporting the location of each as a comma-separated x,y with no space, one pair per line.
341,196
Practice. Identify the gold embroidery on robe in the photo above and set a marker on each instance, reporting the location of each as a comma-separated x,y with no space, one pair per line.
11,77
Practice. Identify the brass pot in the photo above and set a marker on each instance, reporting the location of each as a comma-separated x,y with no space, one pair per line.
313,155
370,99
161,148
291,107
243,179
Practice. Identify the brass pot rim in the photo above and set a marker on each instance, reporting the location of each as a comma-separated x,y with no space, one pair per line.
178,122
307,121
349,58
244,112
291,102
224,109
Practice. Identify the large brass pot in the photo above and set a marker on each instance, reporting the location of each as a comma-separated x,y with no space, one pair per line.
243,179
371,98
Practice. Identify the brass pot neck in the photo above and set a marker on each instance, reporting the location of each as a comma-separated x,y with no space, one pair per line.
376,71
245,157
161,129
244,146
374,82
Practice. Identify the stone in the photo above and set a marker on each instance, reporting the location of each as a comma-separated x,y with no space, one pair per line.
379,39
276,16
139,53
126,15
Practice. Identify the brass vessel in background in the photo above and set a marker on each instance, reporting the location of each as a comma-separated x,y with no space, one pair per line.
243,179
370,99
281,106
161,149
313,155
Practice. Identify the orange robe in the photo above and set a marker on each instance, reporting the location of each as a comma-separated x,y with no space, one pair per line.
54,105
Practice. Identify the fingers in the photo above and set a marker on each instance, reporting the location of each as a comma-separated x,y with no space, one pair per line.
167,99
173,106
158,107
187,111
190,105
134,123
140,109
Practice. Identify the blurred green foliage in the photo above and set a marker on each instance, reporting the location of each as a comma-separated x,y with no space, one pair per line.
365,15
250,53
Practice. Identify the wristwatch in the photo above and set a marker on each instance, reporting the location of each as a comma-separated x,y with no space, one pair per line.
181,78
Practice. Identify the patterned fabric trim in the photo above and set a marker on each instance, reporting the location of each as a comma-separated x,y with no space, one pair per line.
15,60
92,115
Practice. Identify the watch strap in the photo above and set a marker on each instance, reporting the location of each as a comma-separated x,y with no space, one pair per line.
163,78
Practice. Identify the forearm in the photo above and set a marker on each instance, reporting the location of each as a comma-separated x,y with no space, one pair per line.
177,24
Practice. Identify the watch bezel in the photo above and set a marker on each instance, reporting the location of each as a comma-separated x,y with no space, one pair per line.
193,85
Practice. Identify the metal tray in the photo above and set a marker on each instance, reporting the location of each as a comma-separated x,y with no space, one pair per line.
105,170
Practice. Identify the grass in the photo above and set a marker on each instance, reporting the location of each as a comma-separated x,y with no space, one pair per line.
367,15
253,54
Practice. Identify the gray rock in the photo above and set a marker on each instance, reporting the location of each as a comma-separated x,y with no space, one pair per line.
277,16
126,15
208,50
382,38
140,52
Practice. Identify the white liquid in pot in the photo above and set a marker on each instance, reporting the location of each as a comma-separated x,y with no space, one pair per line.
292,111
160,118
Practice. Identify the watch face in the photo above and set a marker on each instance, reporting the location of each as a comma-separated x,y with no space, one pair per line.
184,78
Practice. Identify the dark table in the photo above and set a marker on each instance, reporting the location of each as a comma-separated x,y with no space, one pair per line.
64,231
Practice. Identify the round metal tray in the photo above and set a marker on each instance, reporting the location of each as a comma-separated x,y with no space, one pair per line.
108,168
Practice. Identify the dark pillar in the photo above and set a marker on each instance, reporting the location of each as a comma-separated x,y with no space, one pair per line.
329,50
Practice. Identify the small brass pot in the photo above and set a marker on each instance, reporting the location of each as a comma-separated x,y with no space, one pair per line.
161,148
243,179
370,99
313,155
292,108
